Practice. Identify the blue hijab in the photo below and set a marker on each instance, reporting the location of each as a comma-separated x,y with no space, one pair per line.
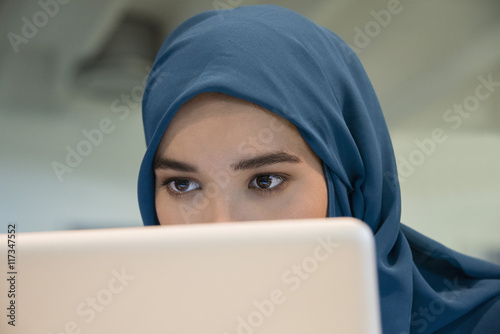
303,72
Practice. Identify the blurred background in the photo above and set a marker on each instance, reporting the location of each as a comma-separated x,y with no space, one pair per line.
72,75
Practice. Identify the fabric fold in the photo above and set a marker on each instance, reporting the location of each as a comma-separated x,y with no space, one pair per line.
306,74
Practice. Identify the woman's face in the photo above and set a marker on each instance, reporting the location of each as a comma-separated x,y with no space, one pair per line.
225,159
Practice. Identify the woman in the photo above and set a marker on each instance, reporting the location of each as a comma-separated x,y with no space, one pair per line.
220,80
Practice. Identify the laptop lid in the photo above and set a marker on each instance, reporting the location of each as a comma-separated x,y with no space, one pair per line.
288,276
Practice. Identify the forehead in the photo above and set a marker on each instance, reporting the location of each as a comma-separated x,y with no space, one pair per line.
215,106
219,122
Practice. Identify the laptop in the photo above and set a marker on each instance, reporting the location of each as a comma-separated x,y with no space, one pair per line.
288,276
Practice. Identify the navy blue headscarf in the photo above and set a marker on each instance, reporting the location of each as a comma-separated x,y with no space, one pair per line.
303,72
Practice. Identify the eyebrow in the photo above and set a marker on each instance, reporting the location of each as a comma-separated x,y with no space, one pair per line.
164,163
244,164
265,160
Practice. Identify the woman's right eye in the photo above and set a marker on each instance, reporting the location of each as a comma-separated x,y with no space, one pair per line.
181,186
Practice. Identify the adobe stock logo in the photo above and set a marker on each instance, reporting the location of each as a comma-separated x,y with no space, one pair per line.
381,19
454,117
121,108
30,28
293,278
84,148
225,4
221,179
93,305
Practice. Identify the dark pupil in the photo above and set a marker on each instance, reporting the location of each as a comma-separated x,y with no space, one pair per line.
264,181
181,184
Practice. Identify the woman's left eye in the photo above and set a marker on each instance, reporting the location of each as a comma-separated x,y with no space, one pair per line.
265,182
180,186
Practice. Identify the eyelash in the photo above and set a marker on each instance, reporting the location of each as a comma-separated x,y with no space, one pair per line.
263,191
172,192
266,191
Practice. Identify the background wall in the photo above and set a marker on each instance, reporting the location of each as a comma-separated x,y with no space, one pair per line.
72,70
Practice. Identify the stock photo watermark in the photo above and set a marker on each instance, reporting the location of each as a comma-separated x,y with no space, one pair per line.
121,107
89,309
225,4
11,273
454,118
426,315
74,156
373,28
250,147
31,26
293,278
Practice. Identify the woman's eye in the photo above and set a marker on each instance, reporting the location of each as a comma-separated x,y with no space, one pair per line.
181,185
266,181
